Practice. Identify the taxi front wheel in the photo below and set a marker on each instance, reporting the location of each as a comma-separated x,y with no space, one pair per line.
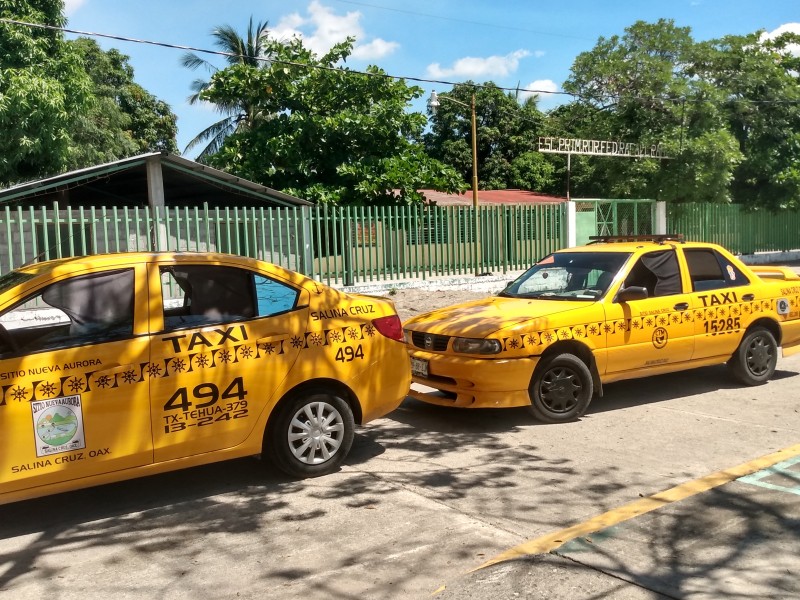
755,359
311,434
561,389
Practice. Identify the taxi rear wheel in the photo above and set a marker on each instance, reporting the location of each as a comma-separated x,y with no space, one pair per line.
755,359
311,434
561,389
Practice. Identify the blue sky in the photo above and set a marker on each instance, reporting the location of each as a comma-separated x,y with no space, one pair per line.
531,44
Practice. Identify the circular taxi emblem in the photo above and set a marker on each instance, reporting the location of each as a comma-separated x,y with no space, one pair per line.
660,337
428,342
57,425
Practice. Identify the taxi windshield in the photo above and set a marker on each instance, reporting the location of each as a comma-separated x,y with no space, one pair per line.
568,276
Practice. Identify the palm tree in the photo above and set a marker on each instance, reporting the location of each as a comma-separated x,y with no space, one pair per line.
236,114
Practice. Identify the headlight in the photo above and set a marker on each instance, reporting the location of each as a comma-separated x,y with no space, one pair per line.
476,346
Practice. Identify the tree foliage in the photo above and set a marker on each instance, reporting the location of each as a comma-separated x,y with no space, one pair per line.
325,133
42,86
122,119
507,132
238,113
760,81
68,104
726,111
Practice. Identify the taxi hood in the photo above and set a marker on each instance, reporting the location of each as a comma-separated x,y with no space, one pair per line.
481,318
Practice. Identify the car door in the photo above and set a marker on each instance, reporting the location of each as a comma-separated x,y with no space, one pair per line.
228,338
724,302
653,331
74,398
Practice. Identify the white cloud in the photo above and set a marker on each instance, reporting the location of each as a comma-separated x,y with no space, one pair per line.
70,6
328,29
539,53
473,67
544,89
785,28
377,48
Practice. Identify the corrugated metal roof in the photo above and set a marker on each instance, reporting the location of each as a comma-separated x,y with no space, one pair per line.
185,181
490,197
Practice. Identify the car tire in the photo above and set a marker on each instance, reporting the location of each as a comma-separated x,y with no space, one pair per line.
755,359
311,434
561,389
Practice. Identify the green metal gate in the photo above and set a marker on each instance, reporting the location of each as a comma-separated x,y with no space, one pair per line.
613,217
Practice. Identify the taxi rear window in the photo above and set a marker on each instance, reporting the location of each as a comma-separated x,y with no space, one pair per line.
710,270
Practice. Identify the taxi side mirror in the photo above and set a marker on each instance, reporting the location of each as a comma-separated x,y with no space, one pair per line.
634,292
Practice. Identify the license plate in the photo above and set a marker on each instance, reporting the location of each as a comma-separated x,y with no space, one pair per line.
419,367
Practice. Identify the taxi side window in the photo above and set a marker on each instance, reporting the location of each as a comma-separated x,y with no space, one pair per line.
196,295
88,309
658,272
709,270
273,296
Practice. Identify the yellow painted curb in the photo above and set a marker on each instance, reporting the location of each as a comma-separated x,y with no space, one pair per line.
550,542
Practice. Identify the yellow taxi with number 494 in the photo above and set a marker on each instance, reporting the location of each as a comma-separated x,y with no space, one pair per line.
618,308
121,365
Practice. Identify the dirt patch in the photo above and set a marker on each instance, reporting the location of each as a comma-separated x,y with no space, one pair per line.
413,301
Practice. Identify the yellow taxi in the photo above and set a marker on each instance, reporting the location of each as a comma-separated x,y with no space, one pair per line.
121,365
618,308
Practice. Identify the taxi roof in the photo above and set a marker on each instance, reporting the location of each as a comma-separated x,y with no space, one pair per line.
629,244
122,259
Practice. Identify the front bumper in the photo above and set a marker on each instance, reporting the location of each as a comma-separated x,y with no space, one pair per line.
473,382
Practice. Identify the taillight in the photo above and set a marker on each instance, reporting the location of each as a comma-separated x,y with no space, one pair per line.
391,327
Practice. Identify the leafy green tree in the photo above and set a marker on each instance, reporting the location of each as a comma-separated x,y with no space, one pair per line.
758,84
42,87
637,86
237,113
507,132
325,133
727,111
122,118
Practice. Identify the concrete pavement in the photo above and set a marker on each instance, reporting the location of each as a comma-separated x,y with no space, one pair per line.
430,493
722,536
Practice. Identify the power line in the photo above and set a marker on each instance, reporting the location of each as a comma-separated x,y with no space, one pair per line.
370,74
264,59
465,21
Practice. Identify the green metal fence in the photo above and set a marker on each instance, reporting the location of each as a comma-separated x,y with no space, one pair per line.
344,245
349,245
739,230
386,243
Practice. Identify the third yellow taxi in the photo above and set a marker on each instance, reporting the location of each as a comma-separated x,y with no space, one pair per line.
618,308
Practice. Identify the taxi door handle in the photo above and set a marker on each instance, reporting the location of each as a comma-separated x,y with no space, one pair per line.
681,306
749,297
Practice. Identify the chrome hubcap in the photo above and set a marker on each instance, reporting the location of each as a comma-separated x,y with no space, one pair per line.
316,433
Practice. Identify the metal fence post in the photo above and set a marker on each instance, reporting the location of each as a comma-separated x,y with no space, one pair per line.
660,226
571,224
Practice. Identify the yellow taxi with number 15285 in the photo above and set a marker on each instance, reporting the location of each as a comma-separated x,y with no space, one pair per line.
618,309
